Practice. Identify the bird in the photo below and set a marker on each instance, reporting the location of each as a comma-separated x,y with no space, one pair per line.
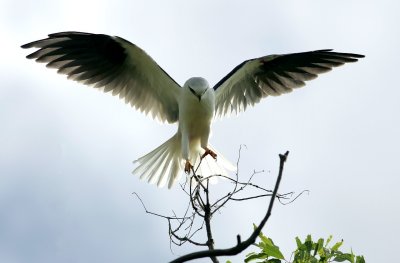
115,65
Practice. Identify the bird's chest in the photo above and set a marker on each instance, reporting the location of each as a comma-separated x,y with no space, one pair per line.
195,116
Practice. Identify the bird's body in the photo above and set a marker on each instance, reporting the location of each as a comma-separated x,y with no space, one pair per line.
196,114
197,109
120,67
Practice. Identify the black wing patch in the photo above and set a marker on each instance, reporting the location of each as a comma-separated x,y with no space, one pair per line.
88,58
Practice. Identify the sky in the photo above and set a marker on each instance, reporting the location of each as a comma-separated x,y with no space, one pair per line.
66,150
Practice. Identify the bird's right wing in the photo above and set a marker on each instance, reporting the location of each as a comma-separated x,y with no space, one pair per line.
112,64
273,75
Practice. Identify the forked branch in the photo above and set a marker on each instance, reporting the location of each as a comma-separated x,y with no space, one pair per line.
241,245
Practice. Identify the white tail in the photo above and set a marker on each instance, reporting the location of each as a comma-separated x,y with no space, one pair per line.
209,166
162,164
165,163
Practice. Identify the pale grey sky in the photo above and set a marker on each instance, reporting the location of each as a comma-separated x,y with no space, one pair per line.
66,150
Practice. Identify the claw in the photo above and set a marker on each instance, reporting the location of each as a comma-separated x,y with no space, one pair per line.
209,152
188,167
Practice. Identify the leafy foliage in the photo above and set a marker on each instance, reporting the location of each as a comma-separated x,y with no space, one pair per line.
309,251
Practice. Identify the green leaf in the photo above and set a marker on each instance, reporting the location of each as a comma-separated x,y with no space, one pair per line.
360,259
272,251
268,247
273,260
255,256
318,246
323,252
320,242
266,240
308,245
328,240
251,253
343,257
228,261
337,246
300,246
298,242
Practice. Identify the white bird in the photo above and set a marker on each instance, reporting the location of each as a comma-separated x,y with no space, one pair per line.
115,65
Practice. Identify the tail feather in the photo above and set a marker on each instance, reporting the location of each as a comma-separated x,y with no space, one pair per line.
165,164
161,161
161,165
176,166
163,174
149,162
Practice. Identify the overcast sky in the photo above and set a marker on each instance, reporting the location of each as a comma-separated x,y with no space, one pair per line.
66,150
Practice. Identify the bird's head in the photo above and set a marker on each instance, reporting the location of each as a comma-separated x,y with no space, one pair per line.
197,86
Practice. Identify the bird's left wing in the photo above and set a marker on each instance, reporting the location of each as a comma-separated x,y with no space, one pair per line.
112,64
273,75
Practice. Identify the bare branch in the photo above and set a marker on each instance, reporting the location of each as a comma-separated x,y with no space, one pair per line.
250,197
294,199
186,238
207,220
155,214
240,245
200,209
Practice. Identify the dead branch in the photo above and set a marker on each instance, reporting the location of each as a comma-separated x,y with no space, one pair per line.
200,209
241,245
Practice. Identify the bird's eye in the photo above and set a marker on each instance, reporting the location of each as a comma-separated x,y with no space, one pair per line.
192,90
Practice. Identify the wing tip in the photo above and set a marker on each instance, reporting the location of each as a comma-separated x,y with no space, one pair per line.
68,33
54,35
29,45
25,46
352,55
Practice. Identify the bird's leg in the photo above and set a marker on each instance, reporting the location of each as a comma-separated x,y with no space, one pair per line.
188,167
209,152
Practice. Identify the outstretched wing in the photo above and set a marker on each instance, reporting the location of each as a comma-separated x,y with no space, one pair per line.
112,64
273,75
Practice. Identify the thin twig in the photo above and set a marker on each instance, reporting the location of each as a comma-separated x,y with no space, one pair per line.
241,245
294,199
155,214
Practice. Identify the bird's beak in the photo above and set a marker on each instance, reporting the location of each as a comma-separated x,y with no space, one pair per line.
199,96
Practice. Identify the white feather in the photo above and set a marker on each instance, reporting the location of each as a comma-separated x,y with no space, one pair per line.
166,162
